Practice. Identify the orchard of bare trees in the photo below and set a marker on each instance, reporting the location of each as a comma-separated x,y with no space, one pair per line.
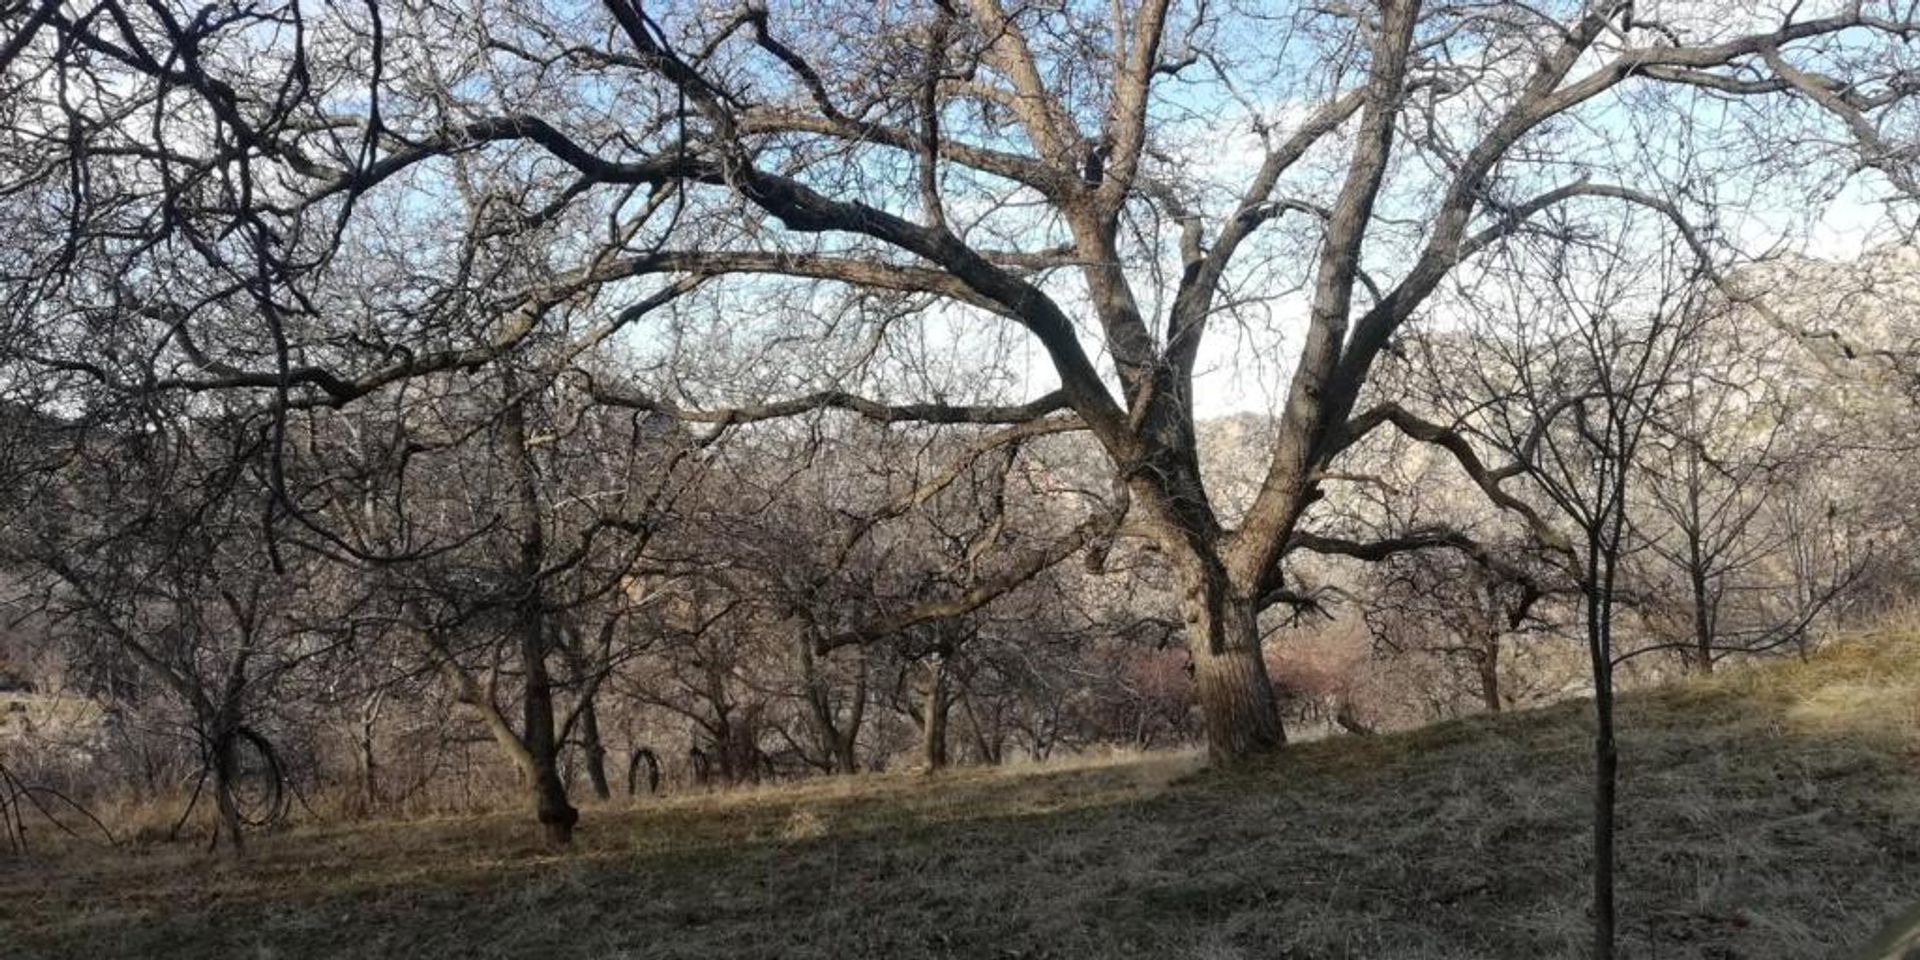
414,404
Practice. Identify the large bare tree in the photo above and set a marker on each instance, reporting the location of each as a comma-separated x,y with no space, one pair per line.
313,203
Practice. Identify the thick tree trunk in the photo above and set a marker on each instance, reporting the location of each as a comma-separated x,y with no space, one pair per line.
1237,701
550,806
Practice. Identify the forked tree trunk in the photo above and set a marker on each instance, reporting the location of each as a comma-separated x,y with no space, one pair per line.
988,748
838,743
1237,701
538,768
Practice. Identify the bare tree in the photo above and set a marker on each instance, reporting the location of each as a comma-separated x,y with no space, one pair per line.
1588,361
143,549
1460,608
1723,474
219,212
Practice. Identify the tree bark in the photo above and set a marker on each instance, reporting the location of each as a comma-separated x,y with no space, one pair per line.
838,743
225,768
364,752
550,805
595,750
987,748
1488,666
643,755
847,746
1702,613
737,745
556,815
1606,757
933,719
1237,702
1605,776
369,770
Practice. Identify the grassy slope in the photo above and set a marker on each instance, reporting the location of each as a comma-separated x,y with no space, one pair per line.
1770,812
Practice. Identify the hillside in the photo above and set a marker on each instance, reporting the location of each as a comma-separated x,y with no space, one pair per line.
1768,812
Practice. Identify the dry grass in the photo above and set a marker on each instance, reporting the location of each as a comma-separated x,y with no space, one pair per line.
1769,812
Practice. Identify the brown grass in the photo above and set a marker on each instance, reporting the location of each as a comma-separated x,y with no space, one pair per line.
1768,812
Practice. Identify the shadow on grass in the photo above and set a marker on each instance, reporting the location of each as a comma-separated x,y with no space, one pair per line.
1775,813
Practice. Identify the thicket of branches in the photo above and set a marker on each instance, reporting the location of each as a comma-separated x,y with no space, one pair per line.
711,392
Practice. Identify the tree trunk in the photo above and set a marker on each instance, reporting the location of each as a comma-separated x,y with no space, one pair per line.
738,746
1606,758
837,743
364,750
1488,666
369,771
226,761
933,720
595,750
1605,776
1697,564
847,746
988,749
1236,696
643,755
1702,620
550,804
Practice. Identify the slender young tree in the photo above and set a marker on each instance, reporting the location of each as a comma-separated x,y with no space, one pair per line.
1589,360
